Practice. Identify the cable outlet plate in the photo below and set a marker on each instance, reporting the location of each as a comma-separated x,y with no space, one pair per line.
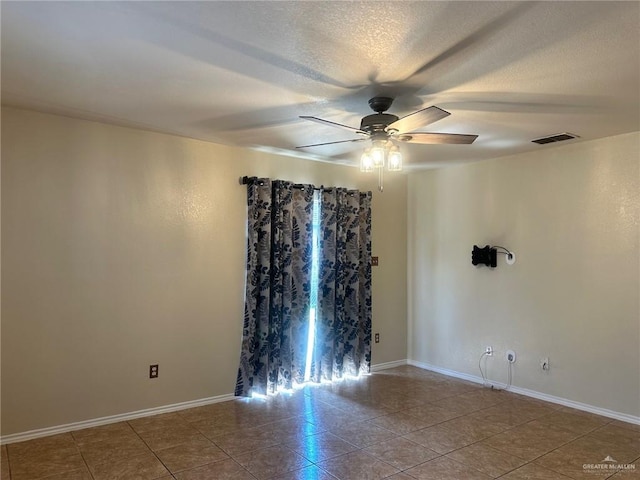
488,351
511,356
544,364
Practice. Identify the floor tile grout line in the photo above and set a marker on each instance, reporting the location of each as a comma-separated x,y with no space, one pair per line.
11,475
8,460
151,450
84,459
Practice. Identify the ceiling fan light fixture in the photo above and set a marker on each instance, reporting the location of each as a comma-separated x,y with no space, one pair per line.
394,162
378,153
366,162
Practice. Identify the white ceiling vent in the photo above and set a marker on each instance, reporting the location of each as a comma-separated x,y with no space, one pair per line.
558,137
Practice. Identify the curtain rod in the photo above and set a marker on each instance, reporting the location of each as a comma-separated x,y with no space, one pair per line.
245,180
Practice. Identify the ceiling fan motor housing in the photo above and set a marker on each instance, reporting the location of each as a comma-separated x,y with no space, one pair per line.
377,122
380,104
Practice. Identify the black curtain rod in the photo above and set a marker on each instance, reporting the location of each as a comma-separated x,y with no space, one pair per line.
245,180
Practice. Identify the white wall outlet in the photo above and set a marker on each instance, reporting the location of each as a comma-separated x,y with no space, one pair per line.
488,351
544,364
511,356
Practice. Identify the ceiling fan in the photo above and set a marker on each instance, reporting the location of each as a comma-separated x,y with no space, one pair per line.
385,130
385,127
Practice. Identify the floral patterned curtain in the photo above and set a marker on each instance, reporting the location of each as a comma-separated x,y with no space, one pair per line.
343,336
278,283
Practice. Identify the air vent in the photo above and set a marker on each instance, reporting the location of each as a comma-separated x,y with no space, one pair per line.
560,137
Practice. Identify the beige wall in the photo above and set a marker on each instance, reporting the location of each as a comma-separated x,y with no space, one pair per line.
122,248
571,215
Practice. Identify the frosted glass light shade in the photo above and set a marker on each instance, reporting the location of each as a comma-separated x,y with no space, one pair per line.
395,160
377,156
366,162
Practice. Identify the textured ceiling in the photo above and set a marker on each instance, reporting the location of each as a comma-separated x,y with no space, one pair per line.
242,73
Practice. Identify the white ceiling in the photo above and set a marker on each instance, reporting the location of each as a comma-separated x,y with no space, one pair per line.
242,72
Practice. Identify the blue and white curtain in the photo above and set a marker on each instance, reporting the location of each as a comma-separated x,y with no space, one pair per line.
343,345
279,280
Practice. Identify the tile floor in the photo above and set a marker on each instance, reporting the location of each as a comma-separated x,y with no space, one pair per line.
402,424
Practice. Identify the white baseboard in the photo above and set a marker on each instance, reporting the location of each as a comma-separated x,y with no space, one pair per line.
96,422
386,365
531,393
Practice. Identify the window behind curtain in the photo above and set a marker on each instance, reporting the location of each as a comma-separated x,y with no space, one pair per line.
315,276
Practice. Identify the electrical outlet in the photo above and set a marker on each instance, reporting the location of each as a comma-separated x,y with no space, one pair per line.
511,356
377,338
488,351
153,371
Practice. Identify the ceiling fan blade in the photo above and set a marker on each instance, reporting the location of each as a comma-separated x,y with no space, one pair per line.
472,43
418,119
332,143
437,138
331,124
